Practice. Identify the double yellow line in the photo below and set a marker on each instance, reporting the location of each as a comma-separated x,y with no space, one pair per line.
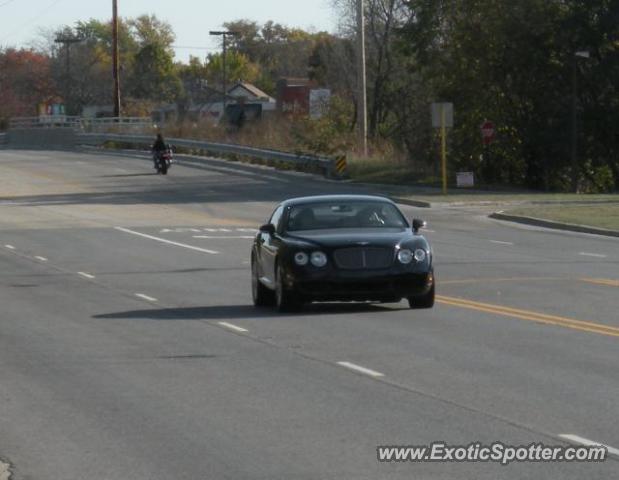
530,316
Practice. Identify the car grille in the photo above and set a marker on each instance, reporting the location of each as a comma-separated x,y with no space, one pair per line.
358,258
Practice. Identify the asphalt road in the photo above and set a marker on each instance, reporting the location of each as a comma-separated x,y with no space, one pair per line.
129,347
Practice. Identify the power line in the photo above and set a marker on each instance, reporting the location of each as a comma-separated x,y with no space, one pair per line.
6,3
194,48
41,13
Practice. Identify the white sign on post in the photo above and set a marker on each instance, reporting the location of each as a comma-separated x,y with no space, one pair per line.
319,102
438,109
465,179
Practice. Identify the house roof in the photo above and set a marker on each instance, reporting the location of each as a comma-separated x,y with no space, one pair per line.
251,89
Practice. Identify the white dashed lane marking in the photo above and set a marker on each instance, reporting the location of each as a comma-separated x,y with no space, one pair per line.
595,255
589,443
243,237
10,247
499,242
232,327
86,275
208,230
360,369
169,242
145,297
42,259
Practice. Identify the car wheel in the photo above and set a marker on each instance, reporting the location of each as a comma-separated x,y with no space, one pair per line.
285,299
261,295
422,301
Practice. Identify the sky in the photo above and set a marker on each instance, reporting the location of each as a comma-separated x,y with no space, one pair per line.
23,20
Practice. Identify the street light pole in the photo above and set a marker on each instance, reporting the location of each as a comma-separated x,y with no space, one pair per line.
362,109
67,38
115,58
224,34
575,169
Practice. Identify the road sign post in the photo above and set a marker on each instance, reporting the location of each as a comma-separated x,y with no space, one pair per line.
488,132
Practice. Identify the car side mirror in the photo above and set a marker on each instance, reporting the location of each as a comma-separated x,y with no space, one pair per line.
418,224
268,228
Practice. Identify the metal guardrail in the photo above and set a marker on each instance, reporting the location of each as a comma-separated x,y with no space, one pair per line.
325,164
81,124
45,121
131,124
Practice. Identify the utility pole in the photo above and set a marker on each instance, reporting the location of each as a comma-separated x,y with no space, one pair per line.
575,169
67,38
115,58
224,34
362,108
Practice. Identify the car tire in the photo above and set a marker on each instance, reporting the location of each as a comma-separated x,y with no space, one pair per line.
285,300
422,301
261,295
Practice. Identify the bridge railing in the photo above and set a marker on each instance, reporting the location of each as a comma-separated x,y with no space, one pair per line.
325,165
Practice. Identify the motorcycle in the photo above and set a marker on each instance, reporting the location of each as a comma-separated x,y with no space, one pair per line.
163,160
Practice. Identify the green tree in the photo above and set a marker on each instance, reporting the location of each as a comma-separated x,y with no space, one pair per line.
512,62
155,76
148,30
238,67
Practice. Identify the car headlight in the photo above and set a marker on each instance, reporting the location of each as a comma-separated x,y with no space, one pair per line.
301,258
405,256
318,259
420,255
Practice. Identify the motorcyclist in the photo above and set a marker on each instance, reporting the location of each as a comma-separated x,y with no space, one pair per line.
158,148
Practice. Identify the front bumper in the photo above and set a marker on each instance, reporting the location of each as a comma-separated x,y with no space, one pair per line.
360,286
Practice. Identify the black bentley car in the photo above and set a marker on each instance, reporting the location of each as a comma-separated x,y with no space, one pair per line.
341,248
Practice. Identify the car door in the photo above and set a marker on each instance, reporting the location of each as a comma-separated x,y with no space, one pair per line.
268,247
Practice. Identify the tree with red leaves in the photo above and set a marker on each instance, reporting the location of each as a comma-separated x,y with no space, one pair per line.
25,82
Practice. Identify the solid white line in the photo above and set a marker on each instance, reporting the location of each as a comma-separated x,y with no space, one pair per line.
10,247
596,255
145,297
43,259
215,236
587,442
232,327
163,240
498,242
86,275
361,369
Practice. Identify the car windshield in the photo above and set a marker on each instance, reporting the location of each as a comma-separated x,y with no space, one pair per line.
344,214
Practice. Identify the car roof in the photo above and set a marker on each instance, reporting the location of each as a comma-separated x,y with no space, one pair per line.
333,198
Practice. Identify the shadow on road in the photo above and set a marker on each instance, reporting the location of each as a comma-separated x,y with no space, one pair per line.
228,312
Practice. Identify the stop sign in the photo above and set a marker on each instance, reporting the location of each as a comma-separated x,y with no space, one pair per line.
487,132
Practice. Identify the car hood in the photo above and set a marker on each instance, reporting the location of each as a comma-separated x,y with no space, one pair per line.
354,237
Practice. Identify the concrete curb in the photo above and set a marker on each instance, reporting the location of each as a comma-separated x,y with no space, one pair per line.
540,222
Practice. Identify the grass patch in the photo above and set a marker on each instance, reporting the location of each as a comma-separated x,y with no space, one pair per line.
602,215
514,198
387,169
